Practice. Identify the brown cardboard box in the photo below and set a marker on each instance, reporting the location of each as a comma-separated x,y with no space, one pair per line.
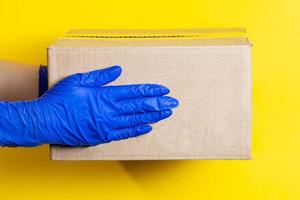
208,70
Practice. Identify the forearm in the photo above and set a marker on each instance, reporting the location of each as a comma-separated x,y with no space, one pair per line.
18,81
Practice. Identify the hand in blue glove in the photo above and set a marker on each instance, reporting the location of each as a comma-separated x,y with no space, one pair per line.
80,111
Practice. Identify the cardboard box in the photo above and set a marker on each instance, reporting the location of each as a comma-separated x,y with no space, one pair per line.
208,70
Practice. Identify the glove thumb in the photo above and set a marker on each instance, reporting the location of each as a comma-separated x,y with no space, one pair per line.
100,77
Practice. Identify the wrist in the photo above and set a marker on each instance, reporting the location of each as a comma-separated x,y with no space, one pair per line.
19,124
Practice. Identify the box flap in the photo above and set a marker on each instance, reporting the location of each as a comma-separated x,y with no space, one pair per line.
158,33
160,37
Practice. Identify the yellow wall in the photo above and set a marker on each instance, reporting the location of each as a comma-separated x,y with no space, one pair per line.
28,27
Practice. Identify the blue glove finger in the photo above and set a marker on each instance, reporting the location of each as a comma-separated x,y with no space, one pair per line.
126,121
94,78
136,91
121,134
147,104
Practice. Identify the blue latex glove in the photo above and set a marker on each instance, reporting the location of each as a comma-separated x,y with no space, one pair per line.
80,111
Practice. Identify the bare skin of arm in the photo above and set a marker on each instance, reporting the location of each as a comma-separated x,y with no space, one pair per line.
18,81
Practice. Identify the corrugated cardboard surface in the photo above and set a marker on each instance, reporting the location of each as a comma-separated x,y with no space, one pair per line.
210,76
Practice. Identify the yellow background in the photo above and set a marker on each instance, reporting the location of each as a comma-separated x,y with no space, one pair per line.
28,27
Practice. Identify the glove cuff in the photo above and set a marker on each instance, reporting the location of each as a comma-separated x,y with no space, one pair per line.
17,127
